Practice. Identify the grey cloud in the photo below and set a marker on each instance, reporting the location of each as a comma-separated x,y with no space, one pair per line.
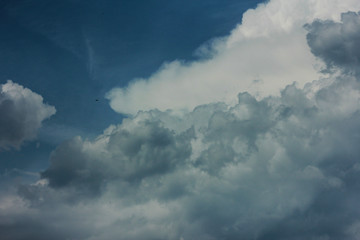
70,166
337,43
130,152
149,149
21,114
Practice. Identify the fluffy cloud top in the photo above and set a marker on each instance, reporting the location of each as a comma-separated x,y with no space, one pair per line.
21,114
262,55
279,167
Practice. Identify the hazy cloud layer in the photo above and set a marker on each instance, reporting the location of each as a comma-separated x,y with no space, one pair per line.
266,52
280,167
21,114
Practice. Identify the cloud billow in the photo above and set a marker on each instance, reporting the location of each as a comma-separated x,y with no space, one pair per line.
21,114
130,152
278,167
336,43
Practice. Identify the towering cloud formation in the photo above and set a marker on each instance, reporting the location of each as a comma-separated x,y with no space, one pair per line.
267,51
279,167
21,114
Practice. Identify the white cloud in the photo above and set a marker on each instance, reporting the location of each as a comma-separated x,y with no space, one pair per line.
262,55
21,114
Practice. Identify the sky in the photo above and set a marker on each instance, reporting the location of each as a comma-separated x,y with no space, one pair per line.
180,119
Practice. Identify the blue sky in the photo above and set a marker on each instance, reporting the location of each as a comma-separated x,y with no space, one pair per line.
179,119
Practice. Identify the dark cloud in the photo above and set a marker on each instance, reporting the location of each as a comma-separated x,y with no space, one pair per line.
336,43
131,152
69,166
21,114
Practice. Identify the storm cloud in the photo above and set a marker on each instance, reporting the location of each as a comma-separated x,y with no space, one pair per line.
21,114
284,166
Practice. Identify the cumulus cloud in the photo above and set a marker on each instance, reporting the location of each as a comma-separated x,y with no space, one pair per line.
262,55
255,170
278,167
21,114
